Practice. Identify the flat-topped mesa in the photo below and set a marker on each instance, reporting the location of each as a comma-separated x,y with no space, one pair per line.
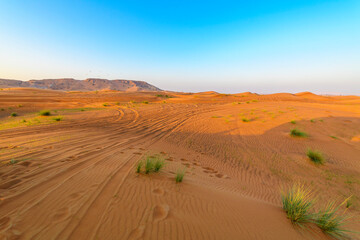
90,84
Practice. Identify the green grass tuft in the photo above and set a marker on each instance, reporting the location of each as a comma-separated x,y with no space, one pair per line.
297,133
145,102
105,104
57,119
45,113
149,165
293,121
138,166
297,202
331,222
14,114
158,164
315,156
179,176
334,137
245,120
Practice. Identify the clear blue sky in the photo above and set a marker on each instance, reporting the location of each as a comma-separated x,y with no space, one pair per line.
226,46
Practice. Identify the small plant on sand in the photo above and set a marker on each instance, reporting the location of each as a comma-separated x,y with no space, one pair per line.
179,176
331,222
293,121
106,104
349,202
138,166
145,102
45,113
20,105
297,202
14,114
297,133
57,119
334,137
13,161
149,165
315,156
158,164
312,120
245,120
2,109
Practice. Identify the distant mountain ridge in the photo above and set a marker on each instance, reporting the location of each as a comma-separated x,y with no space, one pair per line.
89,84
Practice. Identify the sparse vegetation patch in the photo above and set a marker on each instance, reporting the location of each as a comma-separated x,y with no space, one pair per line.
315,156
45,113
297,202
297,133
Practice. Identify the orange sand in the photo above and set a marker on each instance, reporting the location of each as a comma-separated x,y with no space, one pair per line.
76,179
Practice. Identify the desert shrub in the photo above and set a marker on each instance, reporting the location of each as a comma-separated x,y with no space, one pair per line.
245,120
57,119
2,109
20,105
45,113
334,137
14,114
13,161
149,165
312,120
297,202
145,102
106,104
293,121
179,175
138,166
297,133
331,222
315,156
158,164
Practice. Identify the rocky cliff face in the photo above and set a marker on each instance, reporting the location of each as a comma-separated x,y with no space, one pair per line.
90,84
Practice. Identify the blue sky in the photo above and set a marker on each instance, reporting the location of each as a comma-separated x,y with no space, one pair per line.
226,46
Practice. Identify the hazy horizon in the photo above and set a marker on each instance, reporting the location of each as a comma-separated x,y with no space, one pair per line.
227,46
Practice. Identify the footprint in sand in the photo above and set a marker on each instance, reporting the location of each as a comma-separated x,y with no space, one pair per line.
61,214
161,212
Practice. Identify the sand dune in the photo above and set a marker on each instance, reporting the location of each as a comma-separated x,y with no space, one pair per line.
76,179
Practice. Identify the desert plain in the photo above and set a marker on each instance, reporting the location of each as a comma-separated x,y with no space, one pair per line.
72,174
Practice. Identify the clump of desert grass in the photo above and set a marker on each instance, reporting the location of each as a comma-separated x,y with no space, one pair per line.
179,175
331,221
105,104
139,166
245,119
150,164
297,202
14,114
315,156
45,113
293,121
145,102
297,133
57,119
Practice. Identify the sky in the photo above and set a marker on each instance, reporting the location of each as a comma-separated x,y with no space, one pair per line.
225,46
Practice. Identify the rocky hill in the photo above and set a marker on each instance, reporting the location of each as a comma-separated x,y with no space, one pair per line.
90,84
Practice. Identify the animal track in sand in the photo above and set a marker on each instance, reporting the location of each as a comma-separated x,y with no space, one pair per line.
158,191
160,212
